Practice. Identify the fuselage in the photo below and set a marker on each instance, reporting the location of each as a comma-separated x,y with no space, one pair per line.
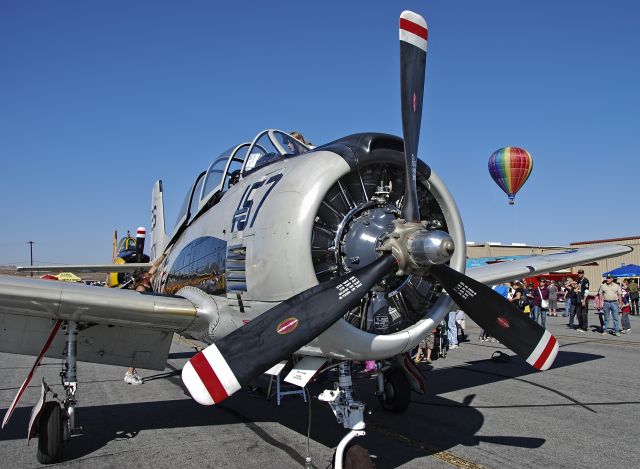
252,248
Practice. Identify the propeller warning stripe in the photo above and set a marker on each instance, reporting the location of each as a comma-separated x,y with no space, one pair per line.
413,29
208,377
545,352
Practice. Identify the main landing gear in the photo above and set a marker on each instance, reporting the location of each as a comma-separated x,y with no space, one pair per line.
396,379
54,421
394,391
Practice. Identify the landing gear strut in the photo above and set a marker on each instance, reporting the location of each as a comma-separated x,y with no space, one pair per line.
69,380
56,423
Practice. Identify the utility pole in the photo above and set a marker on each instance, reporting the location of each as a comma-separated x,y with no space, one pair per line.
30,243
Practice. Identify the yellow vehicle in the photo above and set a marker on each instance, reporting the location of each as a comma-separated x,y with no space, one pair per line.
125,252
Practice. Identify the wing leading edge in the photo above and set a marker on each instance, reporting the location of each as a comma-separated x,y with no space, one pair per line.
511,270
78,302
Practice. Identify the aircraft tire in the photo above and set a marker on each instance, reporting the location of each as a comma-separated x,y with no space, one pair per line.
50,434
397,391
355,457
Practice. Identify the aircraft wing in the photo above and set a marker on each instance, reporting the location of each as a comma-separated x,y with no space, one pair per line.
492,274
119,327
96,268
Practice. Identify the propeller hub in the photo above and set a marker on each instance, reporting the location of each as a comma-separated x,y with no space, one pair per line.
417,249
431,247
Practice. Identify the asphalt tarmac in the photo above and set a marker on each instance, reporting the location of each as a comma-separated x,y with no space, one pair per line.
584,412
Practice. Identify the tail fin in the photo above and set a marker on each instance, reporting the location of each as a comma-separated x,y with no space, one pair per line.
158,235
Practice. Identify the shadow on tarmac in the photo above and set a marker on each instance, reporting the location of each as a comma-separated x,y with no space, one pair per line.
432,425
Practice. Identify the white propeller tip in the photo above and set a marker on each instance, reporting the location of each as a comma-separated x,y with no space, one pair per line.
414,18
195,386
545,352
413,29
208,377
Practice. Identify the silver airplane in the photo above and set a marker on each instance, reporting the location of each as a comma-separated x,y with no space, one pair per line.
352,250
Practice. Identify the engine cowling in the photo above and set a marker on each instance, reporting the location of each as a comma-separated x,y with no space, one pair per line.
353,219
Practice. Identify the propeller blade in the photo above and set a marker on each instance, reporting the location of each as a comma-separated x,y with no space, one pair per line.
141,233
221,369
413,59
500,318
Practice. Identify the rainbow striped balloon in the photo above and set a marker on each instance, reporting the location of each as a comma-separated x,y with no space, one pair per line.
510,168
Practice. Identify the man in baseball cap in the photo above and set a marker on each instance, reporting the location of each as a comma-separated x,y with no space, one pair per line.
612,294
582,306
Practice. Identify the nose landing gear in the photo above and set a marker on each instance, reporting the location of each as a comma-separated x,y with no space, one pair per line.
348,412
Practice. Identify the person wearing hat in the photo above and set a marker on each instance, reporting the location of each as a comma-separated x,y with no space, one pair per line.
612,295
582,304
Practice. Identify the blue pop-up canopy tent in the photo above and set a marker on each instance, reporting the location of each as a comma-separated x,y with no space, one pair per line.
631,270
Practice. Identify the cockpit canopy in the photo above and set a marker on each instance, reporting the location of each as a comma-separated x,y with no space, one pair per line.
128,243
234,163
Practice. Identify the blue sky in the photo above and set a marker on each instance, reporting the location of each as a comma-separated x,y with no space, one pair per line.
100,99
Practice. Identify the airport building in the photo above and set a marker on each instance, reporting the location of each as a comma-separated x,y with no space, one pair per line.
593,272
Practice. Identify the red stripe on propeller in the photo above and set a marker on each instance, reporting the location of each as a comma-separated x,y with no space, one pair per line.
414,28
545,353
208,377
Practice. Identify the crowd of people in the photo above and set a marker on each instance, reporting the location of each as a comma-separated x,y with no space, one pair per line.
613,300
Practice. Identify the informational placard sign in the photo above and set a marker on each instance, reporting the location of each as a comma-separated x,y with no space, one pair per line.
276,369
304,370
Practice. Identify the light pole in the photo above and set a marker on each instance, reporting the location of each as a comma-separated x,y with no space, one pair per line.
30,243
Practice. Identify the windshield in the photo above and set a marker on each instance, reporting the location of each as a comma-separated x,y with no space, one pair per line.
269,146
127,244
290,144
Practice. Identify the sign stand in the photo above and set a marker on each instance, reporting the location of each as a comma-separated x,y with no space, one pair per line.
275,375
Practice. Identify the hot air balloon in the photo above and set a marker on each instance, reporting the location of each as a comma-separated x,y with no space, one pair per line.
510,168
